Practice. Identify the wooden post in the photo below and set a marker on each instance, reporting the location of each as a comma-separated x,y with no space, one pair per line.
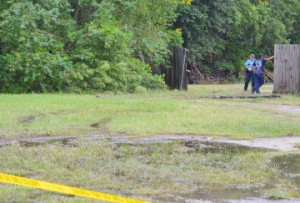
176,76
287,69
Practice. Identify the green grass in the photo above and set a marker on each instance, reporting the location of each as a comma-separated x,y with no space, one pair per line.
143,171
169,112
132,170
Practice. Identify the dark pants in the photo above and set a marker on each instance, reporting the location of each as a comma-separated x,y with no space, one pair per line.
249,75
258,77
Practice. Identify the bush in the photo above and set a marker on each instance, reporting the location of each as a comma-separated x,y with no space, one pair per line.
48,46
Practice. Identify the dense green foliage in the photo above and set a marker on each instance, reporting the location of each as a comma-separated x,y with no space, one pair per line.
102,45
111,45
222,34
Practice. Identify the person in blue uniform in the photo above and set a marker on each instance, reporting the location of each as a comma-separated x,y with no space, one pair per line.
249,72
259,72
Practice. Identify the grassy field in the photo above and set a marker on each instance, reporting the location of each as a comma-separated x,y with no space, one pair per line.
154,113
145,171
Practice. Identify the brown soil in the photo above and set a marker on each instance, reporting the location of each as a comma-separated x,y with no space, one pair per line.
282,144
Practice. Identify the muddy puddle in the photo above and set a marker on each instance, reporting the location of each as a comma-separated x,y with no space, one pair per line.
286,108
290,169
283,108
289,173
218,195
199,144
192,141
50,141
288,166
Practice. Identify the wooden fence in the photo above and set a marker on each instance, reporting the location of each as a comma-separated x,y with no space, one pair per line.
176,76
287,69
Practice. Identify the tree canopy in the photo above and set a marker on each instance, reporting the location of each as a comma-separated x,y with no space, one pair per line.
222,34
111,45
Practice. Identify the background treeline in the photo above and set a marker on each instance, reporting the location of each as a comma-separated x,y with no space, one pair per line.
113,45
221,34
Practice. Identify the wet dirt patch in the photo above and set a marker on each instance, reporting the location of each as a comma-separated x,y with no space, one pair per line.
27,119
248,97
290,168
288,112
281,108
286,108
242,97
217,147
250,192
153,155
218,195
282,143
32,118
8,143
101,124
191,141
148,154
57,141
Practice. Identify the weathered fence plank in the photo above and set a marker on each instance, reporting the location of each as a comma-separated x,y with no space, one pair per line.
292,69
287,69
277,71
296,65
176,76
286,65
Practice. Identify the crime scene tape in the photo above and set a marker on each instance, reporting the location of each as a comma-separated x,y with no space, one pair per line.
16,180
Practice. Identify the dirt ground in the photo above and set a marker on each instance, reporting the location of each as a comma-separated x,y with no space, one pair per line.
282,143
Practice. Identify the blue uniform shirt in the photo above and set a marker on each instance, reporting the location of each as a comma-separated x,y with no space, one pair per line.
249,63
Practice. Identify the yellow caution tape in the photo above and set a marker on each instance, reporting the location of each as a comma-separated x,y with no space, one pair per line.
16,180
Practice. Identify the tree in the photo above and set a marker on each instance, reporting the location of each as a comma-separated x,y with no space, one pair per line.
222,34
75,45
32,39
205,27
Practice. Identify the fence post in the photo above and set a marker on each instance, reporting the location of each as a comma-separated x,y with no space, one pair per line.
176,76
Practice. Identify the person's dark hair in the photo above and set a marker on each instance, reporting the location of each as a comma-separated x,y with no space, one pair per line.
260,56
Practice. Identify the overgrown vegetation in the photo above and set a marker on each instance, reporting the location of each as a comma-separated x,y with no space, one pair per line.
97,45
222,34
111,45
